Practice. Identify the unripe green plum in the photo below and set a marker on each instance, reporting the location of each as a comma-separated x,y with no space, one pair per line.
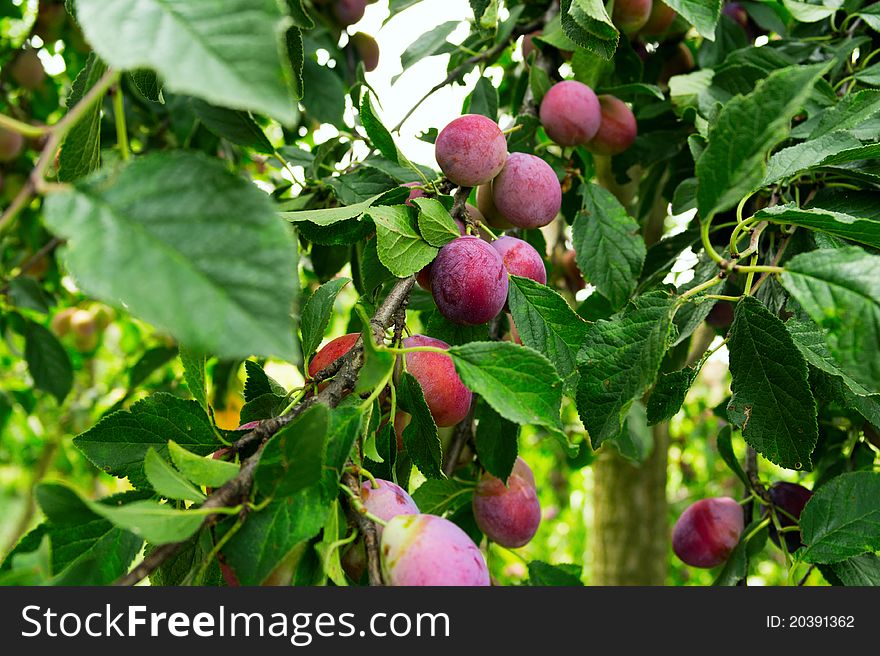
617,130
27,69
508,514
631,15
789,499
367,49
469,281
570,113
349,12
708,531
425,550
660,19
527,192
331,352
471,150
520,258
448,399
11,145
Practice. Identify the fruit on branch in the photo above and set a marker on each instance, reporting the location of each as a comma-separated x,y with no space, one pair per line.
527,192
367,49
617,130
422,550
789,499
11,145
468,281
349,12
60,323
520,258
27,69
528,44
423,277
416,191
331,352
447,397
659,20
508,514
471,150
401,421
387,500
486,205
570,113
631,15
679,63
707,531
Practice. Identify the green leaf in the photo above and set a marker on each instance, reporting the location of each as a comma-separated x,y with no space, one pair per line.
81,150
771,396
429,43
618,361
167,481
147,83
236,62
325,101
378,133
420,435
483,99
850,112
702,14
400,248
546,323
317,312
871,15
636,441
586,22
807,12
293,458
328,549
840,290
201,470
329,215
725,450
810,340
119,442
439,327
25,292
865,230
544,574
268,536
48,362
862,570
438,497
518,382
233,125
870,75
258,383
194,374
435,223
732,165
668,395
608,244
496,441
151,360
811,154
842,519
173,219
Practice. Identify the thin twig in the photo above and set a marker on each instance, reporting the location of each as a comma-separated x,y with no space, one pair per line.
461,435
366,528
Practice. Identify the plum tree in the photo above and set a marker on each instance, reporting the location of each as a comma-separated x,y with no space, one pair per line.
789,500
367,49
520,258
508,514
27,69
387,500
447,397
331,352
486,206
11,144
423,550
707,531
617,130
468,281
659,20
349,12
471,150
527,192
570,113
631,15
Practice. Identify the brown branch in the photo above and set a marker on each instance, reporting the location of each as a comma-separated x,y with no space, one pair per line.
234,492
461,435
367,529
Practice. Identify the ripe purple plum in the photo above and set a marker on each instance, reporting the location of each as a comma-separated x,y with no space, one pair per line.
661,17
471,150
520,258
570,113
631,15
331,352
447,397
508,514
349,12
388,500
486,205
27,69
527,192
367,49
707,531
789,500
468,281
415,192
617,130
424,550
11,144
423,277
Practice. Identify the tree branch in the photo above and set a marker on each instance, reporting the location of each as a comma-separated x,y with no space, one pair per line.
368,529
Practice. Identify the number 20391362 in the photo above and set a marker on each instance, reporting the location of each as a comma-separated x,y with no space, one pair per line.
810,622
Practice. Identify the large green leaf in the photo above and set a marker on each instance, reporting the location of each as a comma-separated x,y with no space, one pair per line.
201,470
439,496
865,230
840,290
586,22
239,61
435,223
234,125
608,244
810,340
420,435
317,312
401,249
495,441
378,133
426,45
81,150
791,161
194,374
48,362
167,481
186,245
861,570
618,361
771,396
702,14
293,459
842,519
747,127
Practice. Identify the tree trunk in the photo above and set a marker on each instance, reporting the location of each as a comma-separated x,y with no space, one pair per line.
630,532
